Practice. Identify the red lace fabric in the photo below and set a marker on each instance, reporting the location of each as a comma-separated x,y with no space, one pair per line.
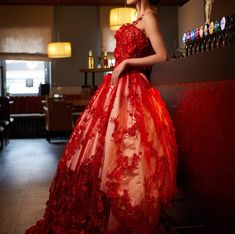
121,156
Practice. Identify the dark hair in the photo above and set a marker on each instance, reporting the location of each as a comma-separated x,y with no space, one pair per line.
154,2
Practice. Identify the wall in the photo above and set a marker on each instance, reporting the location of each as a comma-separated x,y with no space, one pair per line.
190,15
107,35
168,18
25,29
222,8
80,25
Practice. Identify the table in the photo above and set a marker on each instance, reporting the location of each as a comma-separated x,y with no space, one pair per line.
93,72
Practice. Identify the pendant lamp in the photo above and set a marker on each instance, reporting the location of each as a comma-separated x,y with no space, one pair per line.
59,49
120,16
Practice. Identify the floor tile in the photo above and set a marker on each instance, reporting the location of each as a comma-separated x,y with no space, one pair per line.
26,171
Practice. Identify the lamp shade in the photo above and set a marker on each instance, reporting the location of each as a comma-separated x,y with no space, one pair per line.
59,50
120,16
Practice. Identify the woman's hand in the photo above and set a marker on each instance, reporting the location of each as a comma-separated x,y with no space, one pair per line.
118,71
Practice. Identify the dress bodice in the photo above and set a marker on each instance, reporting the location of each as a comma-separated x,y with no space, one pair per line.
131,42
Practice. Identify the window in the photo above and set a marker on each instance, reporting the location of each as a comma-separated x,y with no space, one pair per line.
24,77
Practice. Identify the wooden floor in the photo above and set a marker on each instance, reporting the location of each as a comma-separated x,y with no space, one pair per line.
27,167
26,171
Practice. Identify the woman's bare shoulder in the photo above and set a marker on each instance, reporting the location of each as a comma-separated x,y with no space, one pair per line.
150,20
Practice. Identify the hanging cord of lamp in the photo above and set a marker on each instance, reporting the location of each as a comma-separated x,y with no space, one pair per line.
59,49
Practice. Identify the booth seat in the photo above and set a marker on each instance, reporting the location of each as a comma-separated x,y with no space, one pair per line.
26,105
28,115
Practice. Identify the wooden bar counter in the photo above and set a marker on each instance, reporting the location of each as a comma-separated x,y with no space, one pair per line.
199,92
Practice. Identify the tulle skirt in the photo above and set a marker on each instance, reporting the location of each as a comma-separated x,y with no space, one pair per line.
118,169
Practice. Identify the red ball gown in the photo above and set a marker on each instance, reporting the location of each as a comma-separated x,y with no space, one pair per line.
120,158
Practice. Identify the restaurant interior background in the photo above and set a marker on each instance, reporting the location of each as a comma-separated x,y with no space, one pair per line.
84,27
199,91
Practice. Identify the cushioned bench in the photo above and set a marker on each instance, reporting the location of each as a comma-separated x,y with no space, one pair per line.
28,115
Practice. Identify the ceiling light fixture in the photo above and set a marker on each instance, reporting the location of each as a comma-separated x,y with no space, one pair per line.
59,49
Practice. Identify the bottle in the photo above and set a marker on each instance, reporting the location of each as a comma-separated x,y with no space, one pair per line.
105,59
90,60
199,47
203,46
208,44
99,61
191,49
186,50
195,48
226,38
214,42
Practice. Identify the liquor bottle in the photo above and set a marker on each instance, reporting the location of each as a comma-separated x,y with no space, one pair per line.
186,50
198,47
232,20
188,37
213,42
90,60
105,59
223,41
208,44
203,46
206,30
184,38
192,35
211,27
227,38
201,32
227,22
216,26
220,41
197,33
223,23
191,49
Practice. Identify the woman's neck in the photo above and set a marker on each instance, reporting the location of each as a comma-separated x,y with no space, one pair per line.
142,8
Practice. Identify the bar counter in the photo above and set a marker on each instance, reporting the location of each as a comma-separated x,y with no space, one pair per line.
199,92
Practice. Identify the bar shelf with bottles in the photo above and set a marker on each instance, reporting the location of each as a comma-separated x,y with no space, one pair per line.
220,33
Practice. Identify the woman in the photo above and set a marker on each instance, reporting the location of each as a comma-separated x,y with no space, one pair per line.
118,169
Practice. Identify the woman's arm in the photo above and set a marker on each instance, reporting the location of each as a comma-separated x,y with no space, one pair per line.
152,30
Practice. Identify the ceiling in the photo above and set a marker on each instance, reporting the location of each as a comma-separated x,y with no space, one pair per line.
81,2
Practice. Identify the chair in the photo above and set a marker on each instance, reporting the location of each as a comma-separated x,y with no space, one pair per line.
5,119
58,118
2,137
